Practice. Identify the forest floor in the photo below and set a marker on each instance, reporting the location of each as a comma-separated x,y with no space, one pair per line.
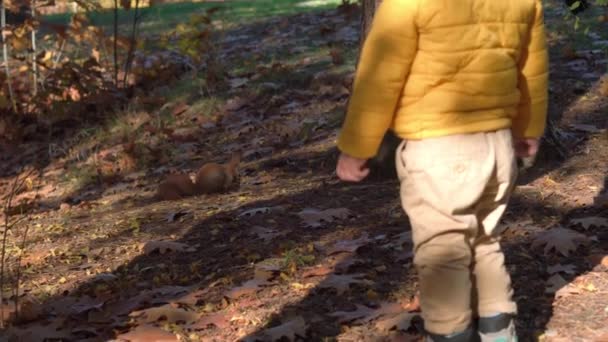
292,252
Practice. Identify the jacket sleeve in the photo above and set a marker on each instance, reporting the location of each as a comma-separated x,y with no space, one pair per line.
383,68
531,118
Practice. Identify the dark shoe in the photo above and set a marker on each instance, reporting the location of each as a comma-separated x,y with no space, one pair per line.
499,328
469,335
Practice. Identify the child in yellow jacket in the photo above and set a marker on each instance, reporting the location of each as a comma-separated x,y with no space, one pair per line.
464,83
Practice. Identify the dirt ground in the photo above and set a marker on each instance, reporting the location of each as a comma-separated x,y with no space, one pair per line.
292,252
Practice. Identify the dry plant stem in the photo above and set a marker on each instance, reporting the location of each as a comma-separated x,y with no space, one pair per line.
136,17
7,69
18,271
34,64
16,186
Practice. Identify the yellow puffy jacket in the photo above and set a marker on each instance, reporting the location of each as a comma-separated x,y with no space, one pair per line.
432,68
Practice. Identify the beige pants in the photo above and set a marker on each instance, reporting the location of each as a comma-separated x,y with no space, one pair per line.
455,190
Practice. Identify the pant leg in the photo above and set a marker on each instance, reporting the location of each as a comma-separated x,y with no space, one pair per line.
442,181
492,280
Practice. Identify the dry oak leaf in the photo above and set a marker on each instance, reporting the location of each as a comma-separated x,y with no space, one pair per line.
314,218
342,282
568,269
364,314
148,333
290,329
362,311
166,246
401,321
399,240
266,234
349,246
317,271
220,320
555,283
180,108
249,287
168,312
588,222
561,239
37,333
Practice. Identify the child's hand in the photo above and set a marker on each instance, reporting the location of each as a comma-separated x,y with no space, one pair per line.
351,169
527,147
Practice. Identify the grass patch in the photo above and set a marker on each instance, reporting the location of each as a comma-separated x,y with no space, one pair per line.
162,17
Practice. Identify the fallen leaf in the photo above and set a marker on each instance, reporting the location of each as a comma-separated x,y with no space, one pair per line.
344,262
555,283
566,291
364,314
568,269
180,108
561,239
315,218
261,211
399,240
317,271
349,316
267,269
247,288
238,82
349,246
401,321
601,200
148,333
290,329
598,259
589,222
176,215
589,287
342,282
219,320
168,312
266,234
166,246
38,332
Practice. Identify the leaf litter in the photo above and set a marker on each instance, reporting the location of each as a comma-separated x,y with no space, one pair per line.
290,329
164,247
255,113
315,218
148,333
562,240
588,222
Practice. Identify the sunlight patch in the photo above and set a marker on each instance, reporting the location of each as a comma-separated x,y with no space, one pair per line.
316,3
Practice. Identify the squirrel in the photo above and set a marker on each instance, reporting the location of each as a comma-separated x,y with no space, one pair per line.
210,178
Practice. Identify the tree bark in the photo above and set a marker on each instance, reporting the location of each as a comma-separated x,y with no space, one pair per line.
368,8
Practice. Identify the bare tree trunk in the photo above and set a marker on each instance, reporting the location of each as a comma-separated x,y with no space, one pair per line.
368,9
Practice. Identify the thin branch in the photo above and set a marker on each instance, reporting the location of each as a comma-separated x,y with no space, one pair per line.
15,188
34,64
7,69
116,43
18,272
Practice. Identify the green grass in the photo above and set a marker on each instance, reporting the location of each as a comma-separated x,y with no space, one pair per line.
165,16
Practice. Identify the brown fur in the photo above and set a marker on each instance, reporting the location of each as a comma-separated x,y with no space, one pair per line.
210,178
